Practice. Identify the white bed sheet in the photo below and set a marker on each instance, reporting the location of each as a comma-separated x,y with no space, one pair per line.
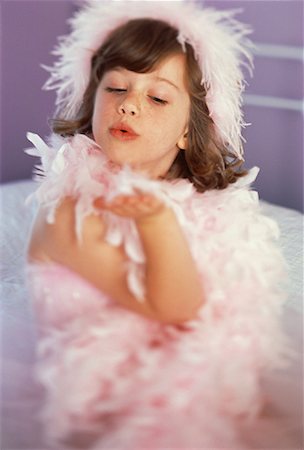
280,427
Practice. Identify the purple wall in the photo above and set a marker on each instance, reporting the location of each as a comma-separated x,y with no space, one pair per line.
274,140
275,136
29,31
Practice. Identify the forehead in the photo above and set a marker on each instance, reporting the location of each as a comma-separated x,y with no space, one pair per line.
173,68
170,70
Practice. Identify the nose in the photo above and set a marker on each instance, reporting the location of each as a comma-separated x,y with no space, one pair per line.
129,107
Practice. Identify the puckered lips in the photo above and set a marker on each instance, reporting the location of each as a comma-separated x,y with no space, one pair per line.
123,132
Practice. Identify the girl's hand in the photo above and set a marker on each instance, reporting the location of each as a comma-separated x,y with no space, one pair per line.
140,206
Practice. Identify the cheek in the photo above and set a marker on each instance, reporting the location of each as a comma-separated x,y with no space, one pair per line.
163,136
100,114
171,124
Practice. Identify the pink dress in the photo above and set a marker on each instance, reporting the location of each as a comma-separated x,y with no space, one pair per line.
121,381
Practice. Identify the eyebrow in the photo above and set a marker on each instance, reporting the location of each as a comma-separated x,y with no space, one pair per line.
165,80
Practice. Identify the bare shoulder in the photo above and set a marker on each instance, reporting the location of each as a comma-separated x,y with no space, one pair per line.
93,258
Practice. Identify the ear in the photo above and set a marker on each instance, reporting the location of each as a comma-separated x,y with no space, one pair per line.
182,142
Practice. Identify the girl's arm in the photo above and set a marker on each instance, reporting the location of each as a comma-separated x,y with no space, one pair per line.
173,287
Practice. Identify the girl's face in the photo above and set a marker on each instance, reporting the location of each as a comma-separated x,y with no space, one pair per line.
141,119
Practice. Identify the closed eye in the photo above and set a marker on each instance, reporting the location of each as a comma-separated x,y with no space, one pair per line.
118,90
159,100
121,90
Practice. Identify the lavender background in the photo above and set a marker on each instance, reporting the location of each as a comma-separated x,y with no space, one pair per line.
274,140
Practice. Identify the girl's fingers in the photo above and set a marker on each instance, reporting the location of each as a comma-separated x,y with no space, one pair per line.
99,202
131,205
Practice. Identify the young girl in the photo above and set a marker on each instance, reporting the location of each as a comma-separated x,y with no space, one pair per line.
153,273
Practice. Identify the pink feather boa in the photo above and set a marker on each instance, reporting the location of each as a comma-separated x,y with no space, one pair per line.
134,383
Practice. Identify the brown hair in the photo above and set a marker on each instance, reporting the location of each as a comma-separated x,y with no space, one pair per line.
138,46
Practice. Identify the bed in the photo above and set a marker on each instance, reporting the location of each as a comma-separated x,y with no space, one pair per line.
280,425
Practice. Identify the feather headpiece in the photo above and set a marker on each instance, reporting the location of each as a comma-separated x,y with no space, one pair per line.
219,42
